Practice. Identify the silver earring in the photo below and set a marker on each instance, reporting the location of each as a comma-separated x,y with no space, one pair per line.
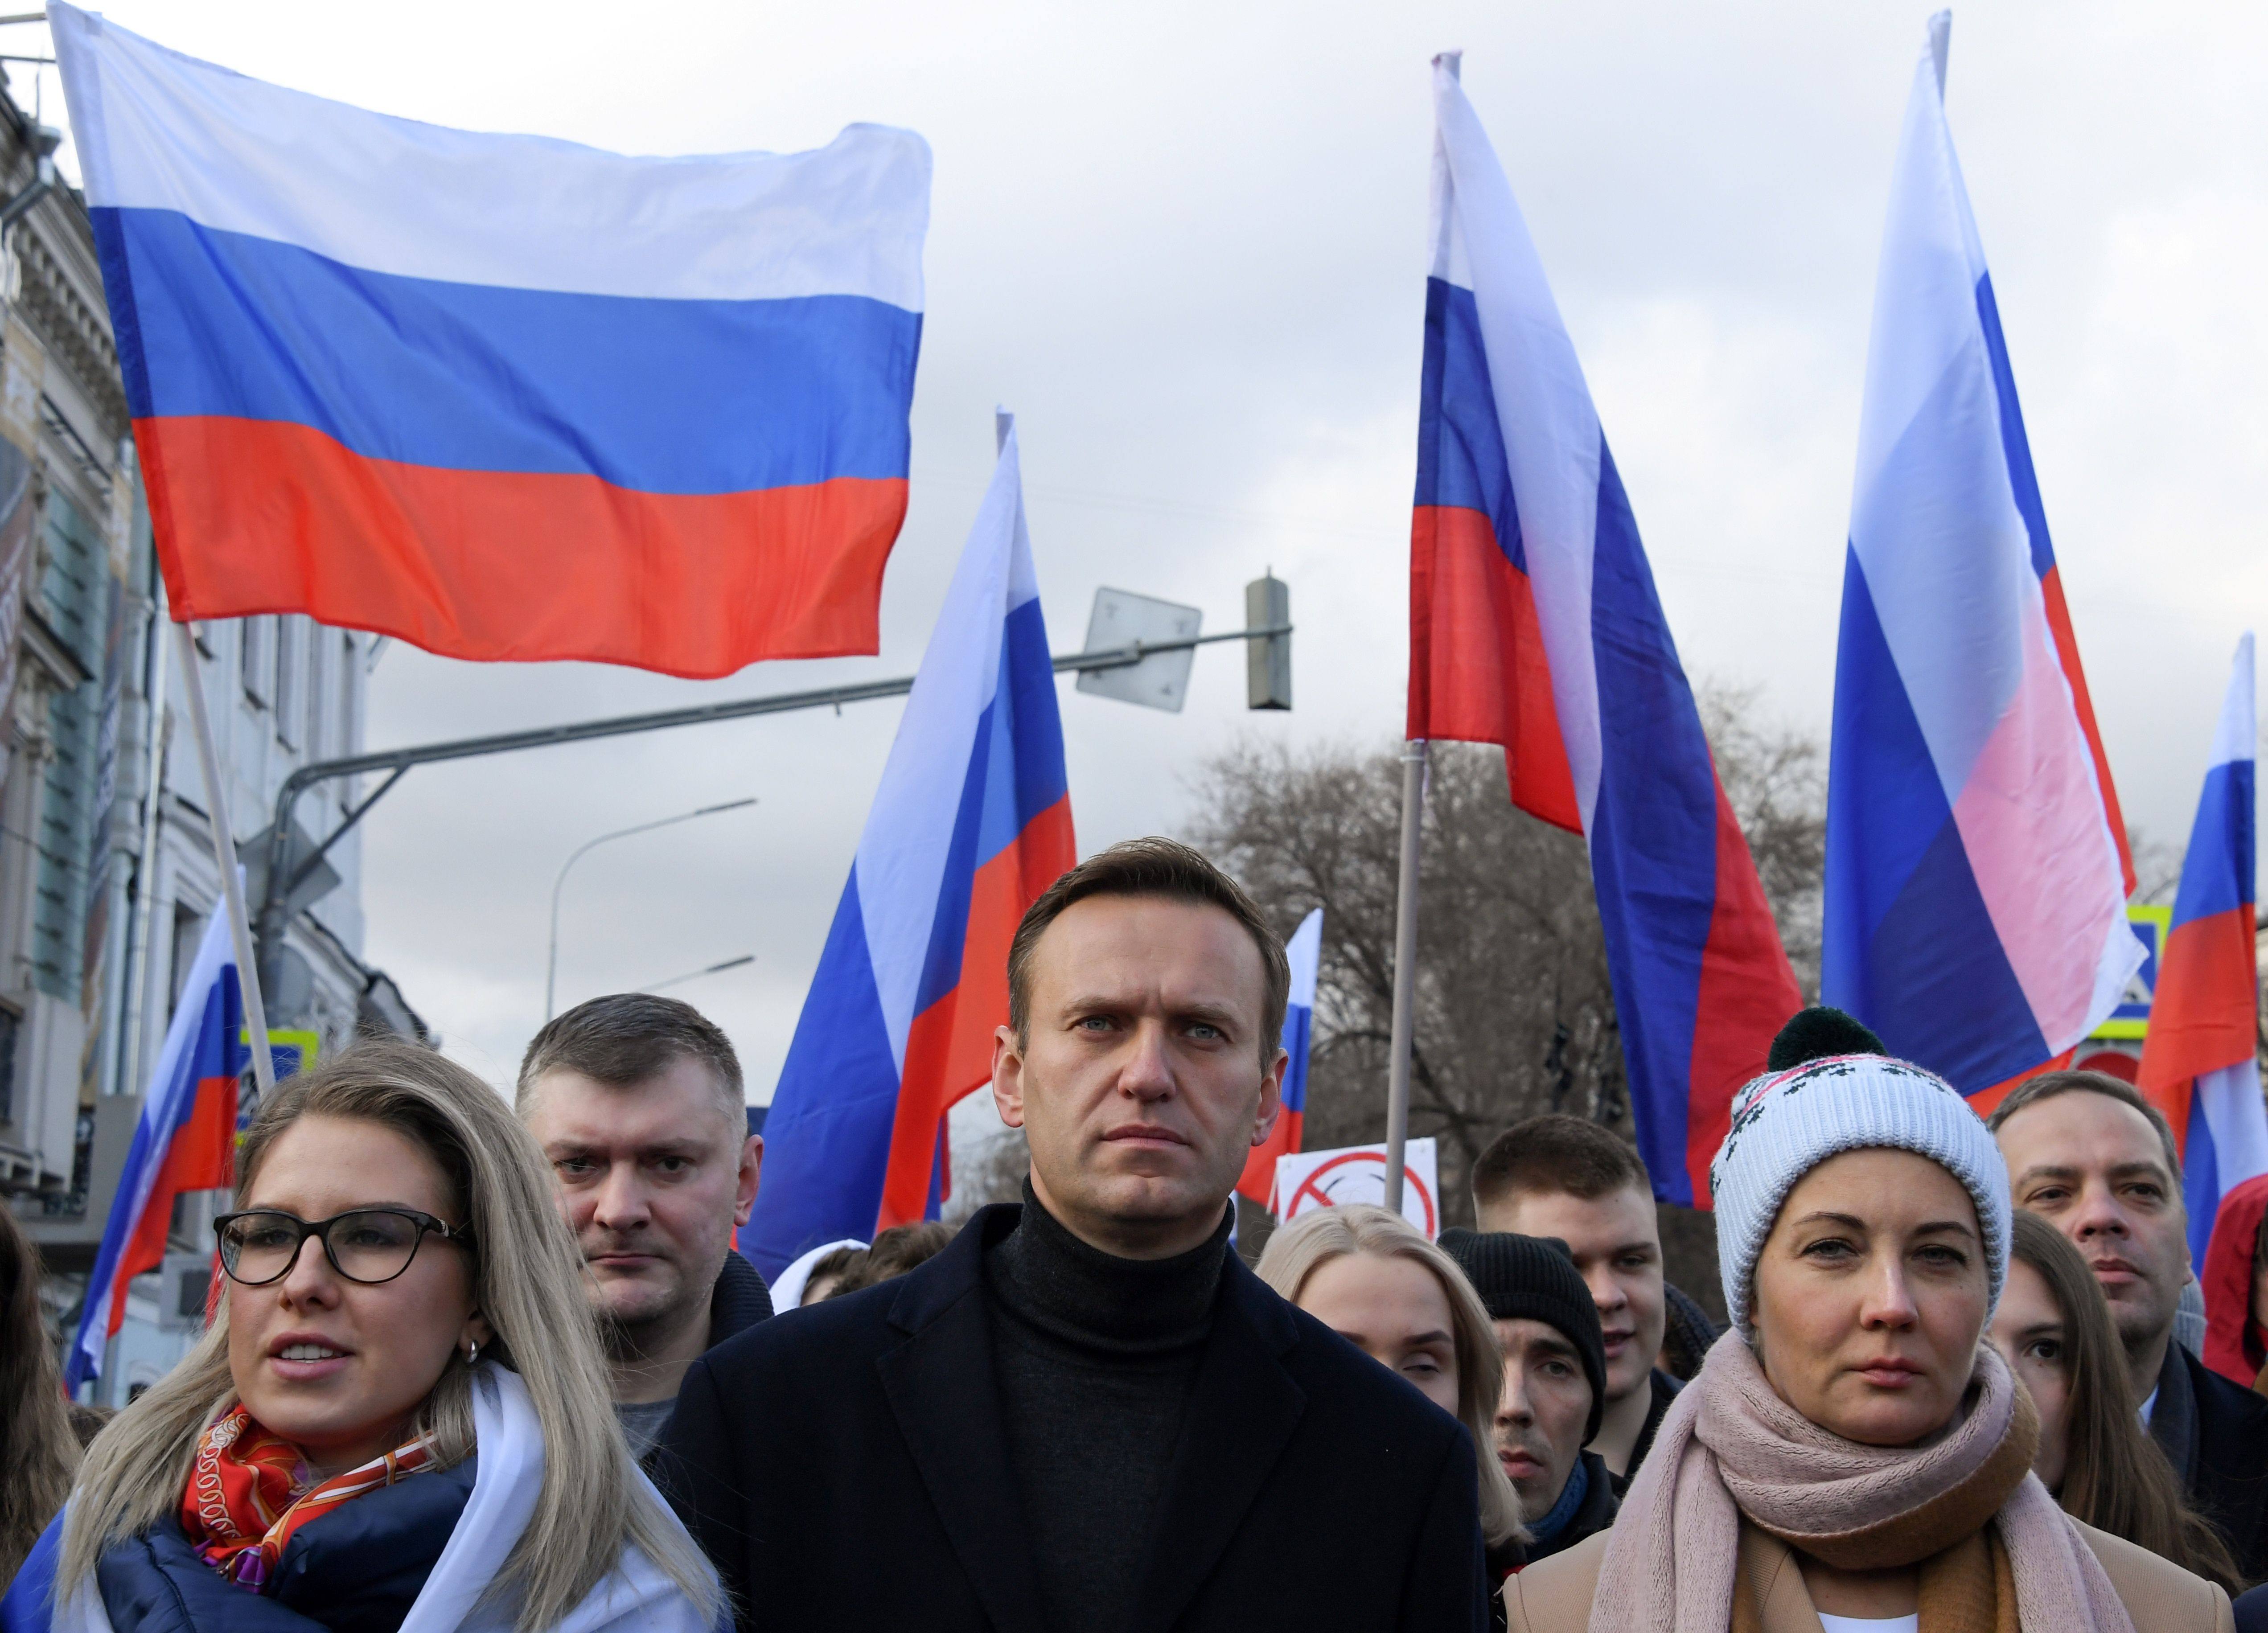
472,1352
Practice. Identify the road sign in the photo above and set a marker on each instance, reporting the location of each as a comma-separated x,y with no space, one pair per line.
1160,681
2131,1019
1307,1180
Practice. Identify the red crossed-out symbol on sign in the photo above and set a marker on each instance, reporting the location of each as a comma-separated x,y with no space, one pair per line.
1312,1187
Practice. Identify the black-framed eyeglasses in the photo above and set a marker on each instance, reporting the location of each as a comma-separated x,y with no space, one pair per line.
370,1245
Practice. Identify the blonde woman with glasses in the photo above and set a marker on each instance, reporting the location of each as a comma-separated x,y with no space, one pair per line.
399,1416
1374,1278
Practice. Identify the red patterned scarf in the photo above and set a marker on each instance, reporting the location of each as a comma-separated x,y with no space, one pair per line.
250,1491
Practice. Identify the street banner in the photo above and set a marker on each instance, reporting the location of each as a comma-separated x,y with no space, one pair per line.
1305,951
503,397
185,1141
1308,1180
1534,623
1976,871
971,822
2200,1061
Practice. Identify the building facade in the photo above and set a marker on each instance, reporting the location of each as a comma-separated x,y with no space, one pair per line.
108,873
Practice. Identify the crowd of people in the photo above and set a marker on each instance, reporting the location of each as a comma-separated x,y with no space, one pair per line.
480,1363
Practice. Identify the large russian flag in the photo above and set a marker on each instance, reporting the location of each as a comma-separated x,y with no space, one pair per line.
1977,869
2200,1065
971,822
186,1141
1305,952
504,397
1534,623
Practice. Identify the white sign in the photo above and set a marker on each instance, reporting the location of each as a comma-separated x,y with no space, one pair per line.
1357,1173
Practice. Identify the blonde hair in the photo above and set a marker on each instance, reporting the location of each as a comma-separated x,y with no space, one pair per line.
1295,1252
526,1281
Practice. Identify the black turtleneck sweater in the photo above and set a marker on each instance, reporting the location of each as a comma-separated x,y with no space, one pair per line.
1095,1356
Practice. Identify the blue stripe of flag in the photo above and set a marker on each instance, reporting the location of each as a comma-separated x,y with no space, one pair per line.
2218,869
661,396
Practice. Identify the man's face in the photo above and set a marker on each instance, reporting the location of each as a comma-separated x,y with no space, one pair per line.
1141,1087
653,1179
1541,1415
2094,1169
1617,1248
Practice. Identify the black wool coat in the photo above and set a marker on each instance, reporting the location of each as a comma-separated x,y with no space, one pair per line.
845,1467
2215,1434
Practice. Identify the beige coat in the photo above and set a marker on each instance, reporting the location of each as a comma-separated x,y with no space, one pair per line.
1554,1595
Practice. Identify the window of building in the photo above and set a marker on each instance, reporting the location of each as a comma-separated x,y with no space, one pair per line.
318,690
290,677
255,657
74,584
10,1021
350,695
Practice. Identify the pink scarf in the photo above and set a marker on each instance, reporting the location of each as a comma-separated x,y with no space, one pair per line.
1731,1449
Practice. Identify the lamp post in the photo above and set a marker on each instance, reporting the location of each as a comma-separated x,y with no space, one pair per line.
696,974
551,965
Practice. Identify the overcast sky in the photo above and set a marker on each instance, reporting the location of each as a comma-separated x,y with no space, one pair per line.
1186,244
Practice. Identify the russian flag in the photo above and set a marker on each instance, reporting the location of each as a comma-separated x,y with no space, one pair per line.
1534,623
1977,870
186,1141
2199,1060
503,397
1305,951
971,822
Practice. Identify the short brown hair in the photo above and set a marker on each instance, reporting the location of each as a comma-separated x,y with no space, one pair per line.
1556,1155
901,1249
625,1038
2048,1084
1152,867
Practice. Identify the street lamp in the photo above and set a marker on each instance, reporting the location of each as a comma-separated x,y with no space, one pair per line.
696,974
552,966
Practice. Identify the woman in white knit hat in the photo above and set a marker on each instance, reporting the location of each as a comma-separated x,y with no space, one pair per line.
1852,1458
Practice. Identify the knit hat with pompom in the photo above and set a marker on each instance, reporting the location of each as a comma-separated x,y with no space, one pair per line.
1831,1089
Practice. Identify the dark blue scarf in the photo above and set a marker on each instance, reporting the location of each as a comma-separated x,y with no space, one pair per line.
1563,1513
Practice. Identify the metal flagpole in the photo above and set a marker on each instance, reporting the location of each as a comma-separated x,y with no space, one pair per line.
1405,969
232,885
145,871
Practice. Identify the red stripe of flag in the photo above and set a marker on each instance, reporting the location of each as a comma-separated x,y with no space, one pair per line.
202,1157
1477,669
590,561
949,1047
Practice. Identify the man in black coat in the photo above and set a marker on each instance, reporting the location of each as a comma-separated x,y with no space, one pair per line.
2088,1154
1086,1416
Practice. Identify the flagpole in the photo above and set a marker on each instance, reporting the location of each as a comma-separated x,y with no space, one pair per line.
145,872
1405,969
232,886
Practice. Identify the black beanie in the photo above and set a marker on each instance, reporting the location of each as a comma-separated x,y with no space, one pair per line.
1534,1278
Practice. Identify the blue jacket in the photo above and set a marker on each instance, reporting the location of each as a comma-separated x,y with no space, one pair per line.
356,1569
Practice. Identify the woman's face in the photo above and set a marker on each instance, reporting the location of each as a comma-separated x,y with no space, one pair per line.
361,1358
2027,1331
1392,1310
1870,1296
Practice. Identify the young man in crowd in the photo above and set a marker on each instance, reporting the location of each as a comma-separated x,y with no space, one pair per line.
637,1101
2088,1154
1086,1412
1555,1380
1563,1177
